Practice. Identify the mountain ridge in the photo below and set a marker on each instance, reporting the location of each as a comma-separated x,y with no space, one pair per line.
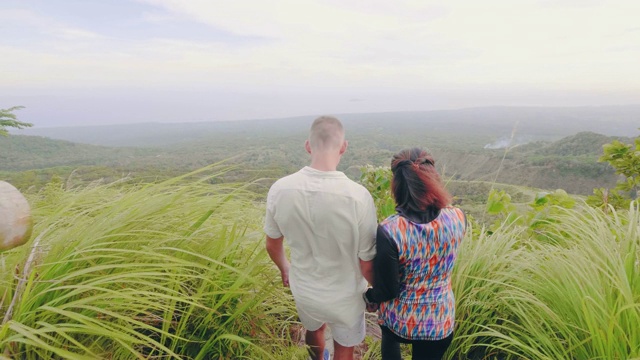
539,123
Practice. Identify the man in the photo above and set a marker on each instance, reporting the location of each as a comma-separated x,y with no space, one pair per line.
330,224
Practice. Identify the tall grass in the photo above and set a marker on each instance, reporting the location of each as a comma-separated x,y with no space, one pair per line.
485,271
176,270
168,270
578,298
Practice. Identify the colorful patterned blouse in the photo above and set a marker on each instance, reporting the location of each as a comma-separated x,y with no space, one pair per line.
424,305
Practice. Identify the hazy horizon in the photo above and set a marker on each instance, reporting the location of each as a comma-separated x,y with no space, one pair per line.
95,62
348,115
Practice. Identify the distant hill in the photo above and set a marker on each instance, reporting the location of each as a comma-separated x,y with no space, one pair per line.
585,143
486,125
569,163
546,148
33,152
168,134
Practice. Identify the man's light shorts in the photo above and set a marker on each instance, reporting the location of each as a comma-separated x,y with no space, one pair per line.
343,334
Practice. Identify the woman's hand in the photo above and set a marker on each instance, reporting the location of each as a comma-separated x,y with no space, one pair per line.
372,307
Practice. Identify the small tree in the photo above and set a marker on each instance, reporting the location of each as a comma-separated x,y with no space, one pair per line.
625,159
9,119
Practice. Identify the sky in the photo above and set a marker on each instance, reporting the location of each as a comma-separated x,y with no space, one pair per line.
86,62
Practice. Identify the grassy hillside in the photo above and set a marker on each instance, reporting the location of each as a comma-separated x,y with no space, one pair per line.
177,270
585,143
570,163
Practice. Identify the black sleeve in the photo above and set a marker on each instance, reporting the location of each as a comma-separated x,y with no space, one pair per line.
387,269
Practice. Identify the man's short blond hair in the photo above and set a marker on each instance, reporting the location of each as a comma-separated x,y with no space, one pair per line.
326,133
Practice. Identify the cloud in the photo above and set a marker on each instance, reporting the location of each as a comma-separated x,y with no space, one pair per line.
414,42
571,3
322,45
22,18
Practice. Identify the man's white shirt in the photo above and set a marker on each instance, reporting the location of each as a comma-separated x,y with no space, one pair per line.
329,223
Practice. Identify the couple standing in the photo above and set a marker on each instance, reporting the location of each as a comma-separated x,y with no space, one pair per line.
337,247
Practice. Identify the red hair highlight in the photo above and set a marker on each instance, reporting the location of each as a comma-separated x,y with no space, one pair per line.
416,185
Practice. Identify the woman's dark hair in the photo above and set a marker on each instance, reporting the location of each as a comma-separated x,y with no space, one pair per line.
416,184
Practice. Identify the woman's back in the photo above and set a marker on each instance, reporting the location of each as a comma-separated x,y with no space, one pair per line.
425,306
417,249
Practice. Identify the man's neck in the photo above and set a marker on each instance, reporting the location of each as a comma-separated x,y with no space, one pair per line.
324,164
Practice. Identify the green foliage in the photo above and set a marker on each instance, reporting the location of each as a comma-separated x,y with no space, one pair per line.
499,202
169,270
545,210
535,218
603,198
499,206
545,200
378,181
9,119
625,159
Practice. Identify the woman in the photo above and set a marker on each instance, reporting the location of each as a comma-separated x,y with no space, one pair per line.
417,249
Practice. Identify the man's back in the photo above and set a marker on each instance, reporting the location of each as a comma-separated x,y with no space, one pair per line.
328,222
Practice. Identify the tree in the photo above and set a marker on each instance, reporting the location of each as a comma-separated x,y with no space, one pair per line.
625,159
9,119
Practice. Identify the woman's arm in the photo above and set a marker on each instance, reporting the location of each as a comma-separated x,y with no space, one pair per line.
366,267
386,269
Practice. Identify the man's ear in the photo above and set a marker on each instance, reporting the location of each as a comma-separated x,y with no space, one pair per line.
307,146
343,148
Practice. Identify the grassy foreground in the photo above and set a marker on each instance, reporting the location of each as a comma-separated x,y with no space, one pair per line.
574,296
169,270
176,270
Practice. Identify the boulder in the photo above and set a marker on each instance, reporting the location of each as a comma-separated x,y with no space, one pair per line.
16,223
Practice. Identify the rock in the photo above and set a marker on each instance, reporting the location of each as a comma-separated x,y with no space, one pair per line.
16,223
